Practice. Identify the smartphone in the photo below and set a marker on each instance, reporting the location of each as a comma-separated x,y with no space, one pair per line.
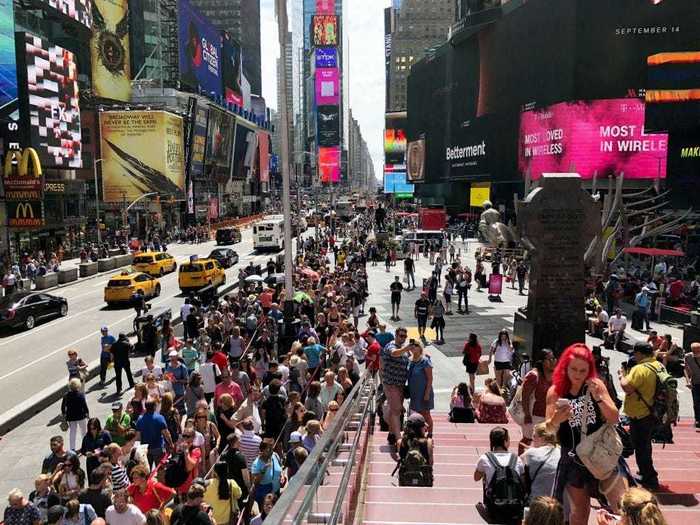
561,403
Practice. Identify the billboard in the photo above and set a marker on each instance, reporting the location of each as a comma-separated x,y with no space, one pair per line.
328,126
199,142
602,137
51,106
325,30
244,151
78,10
22,176
264,155
231,66
329,164
326,57
673,91
199,51
109,50
394,146
220,130
8,64
325,7
327,87
25,214
415,161
395,182
142,152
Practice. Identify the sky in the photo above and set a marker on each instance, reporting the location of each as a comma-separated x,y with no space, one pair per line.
365,29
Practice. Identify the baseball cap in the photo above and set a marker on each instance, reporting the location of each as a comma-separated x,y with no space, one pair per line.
103,329
117,406
295,437
172,353
416,420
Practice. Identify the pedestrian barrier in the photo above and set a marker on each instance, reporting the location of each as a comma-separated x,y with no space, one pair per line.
46,281
88,269
67,276
104,265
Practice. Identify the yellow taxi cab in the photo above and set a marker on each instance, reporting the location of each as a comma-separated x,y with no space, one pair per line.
199,273
154,263
121,288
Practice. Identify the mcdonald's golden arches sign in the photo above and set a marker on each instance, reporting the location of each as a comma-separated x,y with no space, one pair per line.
27,214
22,176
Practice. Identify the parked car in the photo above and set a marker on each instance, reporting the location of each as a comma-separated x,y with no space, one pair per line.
226,257
25,309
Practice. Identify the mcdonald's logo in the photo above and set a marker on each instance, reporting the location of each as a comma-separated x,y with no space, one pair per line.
25,214
23,175
25,210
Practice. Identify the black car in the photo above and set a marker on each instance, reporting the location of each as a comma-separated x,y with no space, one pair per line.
225,256
25,309
230,235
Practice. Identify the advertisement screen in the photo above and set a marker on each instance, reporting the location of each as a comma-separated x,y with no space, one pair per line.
673,91
264,156
329,164
415,161
220,130
8,64
327,87
244,151
325,7
394,146
231,70
602,137
199,143
78,10
395,182
143,152
325,30
326,57
52,108
200,50
109,50
328,118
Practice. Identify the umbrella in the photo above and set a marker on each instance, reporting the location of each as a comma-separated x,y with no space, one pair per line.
254,279
654,252
275,278
308,272
301,296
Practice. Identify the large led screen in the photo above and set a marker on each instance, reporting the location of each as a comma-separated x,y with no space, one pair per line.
109,50
52,105
325,30
327,87
673,91
264,155
329,164
231,70
200,50
199,143
220,130
142,152
603,137
8,64
244,151
325,7
395,182
326,57
328,118
394,146
78,10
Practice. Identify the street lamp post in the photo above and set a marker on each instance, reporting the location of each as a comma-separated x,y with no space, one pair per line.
97,204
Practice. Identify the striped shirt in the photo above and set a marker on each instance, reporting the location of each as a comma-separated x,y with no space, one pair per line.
394,369
119,478
249,446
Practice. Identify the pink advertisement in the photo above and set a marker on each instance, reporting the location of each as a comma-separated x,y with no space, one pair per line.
325,7
329,164
327,87
600,136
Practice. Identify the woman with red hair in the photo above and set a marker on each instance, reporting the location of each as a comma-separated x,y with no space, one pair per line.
575,385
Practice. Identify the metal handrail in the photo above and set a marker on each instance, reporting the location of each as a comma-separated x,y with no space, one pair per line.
328,444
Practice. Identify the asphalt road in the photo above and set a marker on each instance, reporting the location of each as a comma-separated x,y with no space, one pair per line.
33,360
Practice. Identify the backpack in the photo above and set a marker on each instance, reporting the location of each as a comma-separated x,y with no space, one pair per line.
664,405
414,469
131,462
643,301
505,494
175,470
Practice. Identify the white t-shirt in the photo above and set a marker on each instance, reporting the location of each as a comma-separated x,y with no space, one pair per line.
603,317
485,466
502,352
615,324
185,310
132,516
284,370
209,371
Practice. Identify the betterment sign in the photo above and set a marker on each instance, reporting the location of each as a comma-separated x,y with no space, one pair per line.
603,137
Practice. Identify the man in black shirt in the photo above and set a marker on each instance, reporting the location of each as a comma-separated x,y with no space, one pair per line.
237,468
95,494
421,311
190,512
120,355
409,268
396,288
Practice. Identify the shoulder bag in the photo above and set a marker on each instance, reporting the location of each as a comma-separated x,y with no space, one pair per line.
516,409
601,450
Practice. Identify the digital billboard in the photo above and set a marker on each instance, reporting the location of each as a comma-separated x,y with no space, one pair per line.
673,91
199,143
142,152
415,161
395,182
325,30
264,155
326,57
328,127
394,146
78,10
8,64
232,60
325,7
244,151
51,106
329,164
199,51
220,130
602,137
109,50
327,87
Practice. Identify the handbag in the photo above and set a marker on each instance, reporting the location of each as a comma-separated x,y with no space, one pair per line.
516,410
601,450
483,368
63,425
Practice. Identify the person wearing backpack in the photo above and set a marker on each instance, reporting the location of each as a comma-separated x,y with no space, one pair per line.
502,474
640,386
643,302
415,454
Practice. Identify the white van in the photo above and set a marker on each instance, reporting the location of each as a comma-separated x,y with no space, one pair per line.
268,234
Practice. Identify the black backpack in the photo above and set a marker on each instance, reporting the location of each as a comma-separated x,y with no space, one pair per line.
131,462
175,470
504,496
414,468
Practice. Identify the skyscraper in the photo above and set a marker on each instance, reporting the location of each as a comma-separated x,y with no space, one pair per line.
285,67
241,18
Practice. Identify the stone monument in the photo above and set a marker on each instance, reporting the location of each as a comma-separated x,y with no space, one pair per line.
557,222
